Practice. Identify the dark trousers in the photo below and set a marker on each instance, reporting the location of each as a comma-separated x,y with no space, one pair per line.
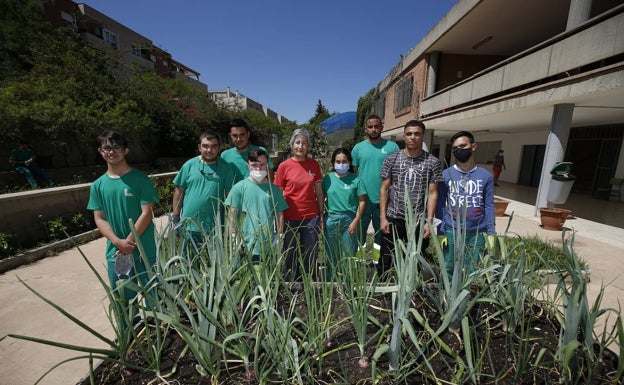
397,231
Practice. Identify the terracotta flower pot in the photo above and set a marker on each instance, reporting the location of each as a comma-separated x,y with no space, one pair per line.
500,206
553,218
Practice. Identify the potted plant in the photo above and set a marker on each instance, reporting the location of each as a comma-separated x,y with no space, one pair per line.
500,206
553,218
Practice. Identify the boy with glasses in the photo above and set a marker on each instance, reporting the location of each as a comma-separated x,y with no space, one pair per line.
121,194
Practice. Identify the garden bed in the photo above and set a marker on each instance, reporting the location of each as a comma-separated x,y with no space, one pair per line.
340,365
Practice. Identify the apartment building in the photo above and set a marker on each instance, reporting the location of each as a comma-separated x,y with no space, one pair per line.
543,80
237,101
136,50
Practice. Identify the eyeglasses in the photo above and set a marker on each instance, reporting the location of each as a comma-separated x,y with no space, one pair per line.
115,148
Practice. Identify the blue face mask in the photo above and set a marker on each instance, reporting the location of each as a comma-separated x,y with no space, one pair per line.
341,168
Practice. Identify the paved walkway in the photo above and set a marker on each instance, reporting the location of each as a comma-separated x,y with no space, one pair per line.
66,280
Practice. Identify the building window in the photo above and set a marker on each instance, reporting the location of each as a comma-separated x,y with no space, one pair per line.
165,64
379,107
403,94
69,19
153,58
109,37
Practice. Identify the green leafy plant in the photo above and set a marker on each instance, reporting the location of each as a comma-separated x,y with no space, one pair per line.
8,245
55,228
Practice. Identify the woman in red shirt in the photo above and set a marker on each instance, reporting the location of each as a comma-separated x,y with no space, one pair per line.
299,177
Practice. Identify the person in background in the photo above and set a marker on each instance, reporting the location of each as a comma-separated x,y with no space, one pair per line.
345,201
237,155
259,205
412,172
499,166
368,157
466,198
24,163
124,193
299,177
200,189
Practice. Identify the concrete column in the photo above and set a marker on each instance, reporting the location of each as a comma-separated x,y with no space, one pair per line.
579,13
555,149
434,59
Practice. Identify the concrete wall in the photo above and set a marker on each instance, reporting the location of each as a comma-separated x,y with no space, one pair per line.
24,213
590,45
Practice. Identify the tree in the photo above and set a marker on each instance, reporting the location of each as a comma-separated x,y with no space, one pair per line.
320,115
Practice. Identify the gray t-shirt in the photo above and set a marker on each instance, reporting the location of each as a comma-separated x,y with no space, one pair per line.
412,175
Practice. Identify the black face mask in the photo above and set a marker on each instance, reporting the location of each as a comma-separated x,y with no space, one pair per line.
462,154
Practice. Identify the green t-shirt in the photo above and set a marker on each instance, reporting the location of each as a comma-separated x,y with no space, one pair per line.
21,156
368,158
260,204
120,199
205,187
342,193
239,160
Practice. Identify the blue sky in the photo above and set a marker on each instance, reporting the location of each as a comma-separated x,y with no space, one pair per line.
285,54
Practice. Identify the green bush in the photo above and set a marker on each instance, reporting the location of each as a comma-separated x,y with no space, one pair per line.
8,245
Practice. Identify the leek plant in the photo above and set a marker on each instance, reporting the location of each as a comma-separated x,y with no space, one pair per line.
358,293
320,319
277,353
579,354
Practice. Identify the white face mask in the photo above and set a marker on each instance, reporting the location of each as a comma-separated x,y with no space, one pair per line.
341,168
258,175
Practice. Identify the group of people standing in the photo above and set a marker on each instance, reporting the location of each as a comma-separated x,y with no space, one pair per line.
377,183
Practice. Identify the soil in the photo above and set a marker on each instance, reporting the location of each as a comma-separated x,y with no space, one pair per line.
342,367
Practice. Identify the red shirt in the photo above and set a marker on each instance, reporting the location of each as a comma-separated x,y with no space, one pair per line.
297,180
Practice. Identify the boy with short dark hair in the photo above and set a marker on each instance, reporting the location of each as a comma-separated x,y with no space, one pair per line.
466,198
121,194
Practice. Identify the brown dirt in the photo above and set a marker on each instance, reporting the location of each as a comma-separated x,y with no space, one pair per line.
342,367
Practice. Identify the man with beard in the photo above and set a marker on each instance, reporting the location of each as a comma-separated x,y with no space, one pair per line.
200,189
240,136
368,156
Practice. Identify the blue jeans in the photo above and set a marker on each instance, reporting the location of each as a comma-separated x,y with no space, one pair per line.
31,169
301,248
371,214
124,295
338,242
473,246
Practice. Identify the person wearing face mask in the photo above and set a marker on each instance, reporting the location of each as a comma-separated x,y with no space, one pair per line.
256,208
345,202
466,201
